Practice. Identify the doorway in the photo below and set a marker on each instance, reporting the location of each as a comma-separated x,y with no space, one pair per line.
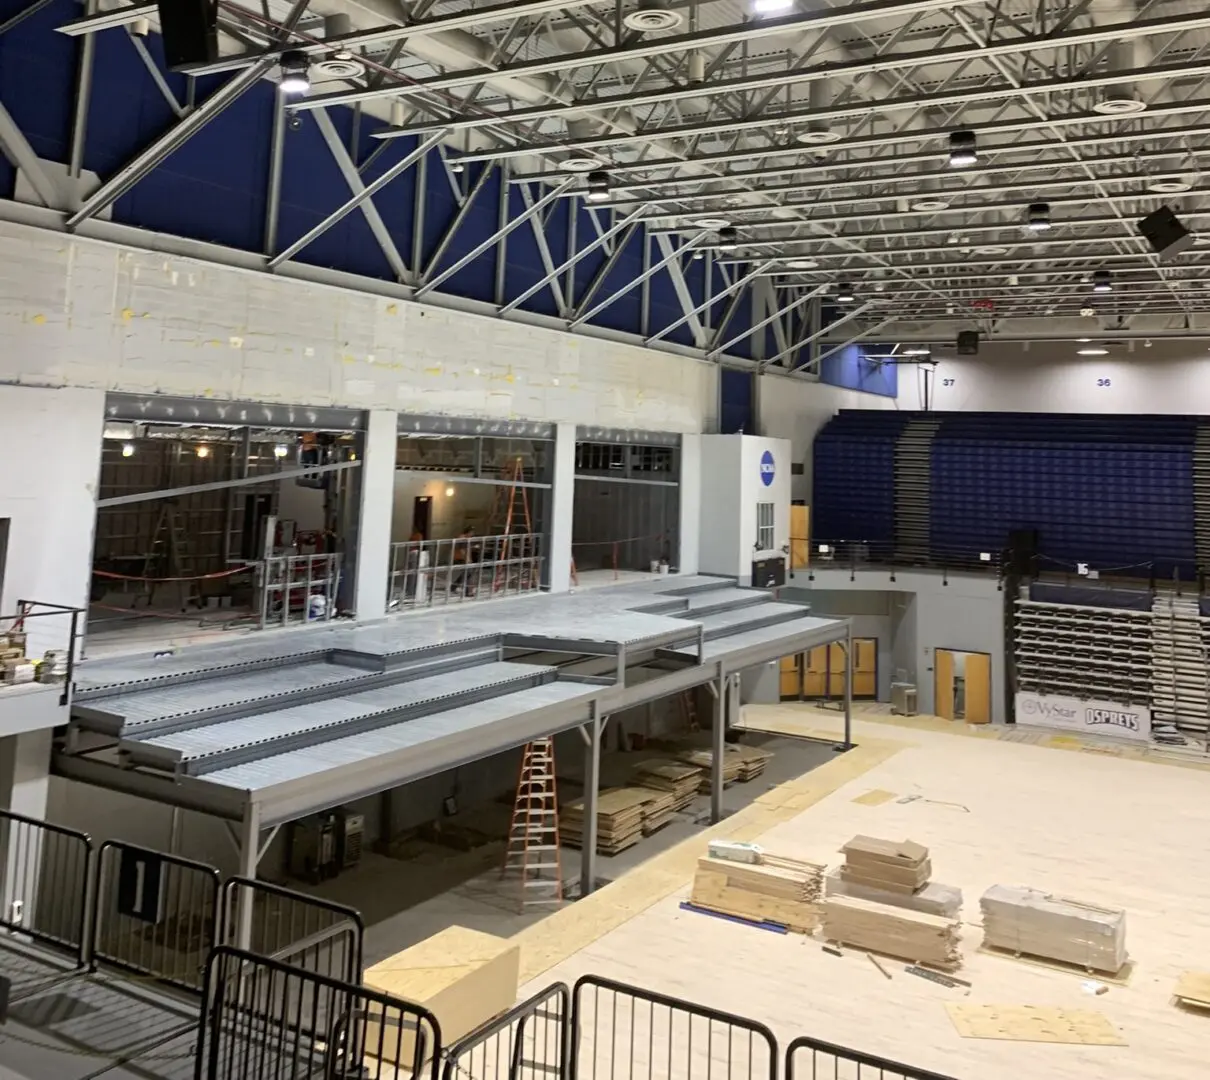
422,517
820,673
962,686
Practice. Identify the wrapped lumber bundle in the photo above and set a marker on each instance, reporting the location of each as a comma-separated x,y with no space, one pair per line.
899,866
676,777
894,931
657,810
619,819
752,761
775,889
933,899
704,760
1019,919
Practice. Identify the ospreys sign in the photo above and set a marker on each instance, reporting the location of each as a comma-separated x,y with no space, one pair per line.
1096,717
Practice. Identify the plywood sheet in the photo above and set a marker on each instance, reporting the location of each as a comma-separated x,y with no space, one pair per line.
874,797
1193,989
1033,1023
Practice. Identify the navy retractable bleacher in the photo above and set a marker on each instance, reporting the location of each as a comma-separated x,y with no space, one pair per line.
1111,491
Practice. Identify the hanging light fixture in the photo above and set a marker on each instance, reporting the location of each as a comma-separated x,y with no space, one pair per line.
598,186
1102,282
128,449
280,451
964,149
844,293
1037,218
727,238
295,73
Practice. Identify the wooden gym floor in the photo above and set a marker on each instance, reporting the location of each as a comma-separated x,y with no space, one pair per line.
1084,823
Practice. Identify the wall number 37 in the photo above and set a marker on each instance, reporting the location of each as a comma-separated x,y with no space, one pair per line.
947,382
1104,382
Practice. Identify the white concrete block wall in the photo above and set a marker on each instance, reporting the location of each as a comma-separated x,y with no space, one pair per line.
84,313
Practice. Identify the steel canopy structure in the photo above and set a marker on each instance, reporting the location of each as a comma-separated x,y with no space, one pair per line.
818,132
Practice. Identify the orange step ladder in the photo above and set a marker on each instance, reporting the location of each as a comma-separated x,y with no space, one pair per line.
532,858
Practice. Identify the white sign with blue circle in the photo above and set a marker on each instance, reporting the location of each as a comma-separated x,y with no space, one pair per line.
767,469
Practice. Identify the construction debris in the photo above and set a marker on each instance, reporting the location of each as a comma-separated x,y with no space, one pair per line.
1027,921
893,931
893,866
878,964
776,889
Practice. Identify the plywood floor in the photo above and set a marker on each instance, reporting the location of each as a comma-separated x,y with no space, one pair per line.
1113,831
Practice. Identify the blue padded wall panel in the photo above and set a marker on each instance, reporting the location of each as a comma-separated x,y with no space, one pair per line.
625,313
477,279
737,400
525,266
850,368
34,58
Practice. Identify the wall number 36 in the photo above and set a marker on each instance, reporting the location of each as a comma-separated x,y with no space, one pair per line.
1104,382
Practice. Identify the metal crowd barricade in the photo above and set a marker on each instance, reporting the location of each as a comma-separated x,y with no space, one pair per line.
44,888
813,1059
529,1042
620,1032
428,573
298,588
263,1018
300,930
156,914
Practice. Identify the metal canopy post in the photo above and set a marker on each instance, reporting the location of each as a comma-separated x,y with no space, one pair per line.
848,690
249,859
592,781
718,738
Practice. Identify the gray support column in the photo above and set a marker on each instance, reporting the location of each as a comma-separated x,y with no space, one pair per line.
719,743
372,561
592,781
559,552
848,690
249,858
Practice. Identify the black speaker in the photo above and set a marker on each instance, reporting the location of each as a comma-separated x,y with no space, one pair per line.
968,342
190,30
1022,550
1166,235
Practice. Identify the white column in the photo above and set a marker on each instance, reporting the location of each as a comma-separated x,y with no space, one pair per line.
690,523
562,508
374,523
25,772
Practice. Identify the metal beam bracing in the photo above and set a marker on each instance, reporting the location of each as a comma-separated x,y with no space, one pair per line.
675,253
447,237
223,485
755,328
681,288
739,283
367,192
15,146
857,312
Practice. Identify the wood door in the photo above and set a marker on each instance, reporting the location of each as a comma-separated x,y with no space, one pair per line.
836,669
791,676
943,683
800,544
815,682
865,667
978,688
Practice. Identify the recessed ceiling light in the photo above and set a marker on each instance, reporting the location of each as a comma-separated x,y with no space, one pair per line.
652,16
818,136
802,264
580,163
929,206
1119,106
1092,350
1169,187
710,222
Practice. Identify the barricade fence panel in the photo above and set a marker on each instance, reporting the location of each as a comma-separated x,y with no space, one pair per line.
622,1032
156,914
812,1059
529,1042
265,1019
44,887
295,928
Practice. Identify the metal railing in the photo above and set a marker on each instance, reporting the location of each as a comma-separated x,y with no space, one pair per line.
876,554
812,1059
44,889
71,638
263,1018
156,915
427,573
300,930
622,1031
297,588
530,1041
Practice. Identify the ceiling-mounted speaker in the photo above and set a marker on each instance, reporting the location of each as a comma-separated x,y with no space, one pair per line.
190,31
1166,235
968,342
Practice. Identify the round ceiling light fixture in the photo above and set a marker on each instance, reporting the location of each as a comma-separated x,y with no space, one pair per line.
710,222
964,149
929,206
727,238
1037,218
818,136
295,73
991,249
598,186
651,16
340,67
1173,186
580,163
1119,106
802,264
1102,281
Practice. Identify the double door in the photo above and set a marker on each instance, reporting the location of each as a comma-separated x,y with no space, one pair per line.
962,688
820,673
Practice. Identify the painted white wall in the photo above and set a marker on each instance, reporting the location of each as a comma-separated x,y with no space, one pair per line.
469,504
1168,378
929,611
84,313
794,409
52,441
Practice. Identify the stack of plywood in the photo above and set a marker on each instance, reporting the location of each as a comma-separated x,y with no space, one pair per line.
933,899
895,931
657,810
770,889
619,819
752,761
676,777
1019,919
898,866
704,760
